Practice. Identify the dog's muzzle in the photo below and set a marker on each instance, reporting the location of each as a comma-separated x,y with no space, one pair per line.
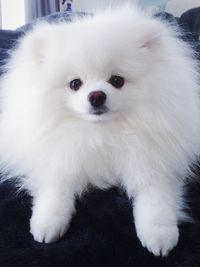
97,100
99,111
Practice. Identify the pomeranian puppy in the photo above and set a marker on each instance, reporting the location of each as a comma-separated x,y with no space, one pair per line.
109,99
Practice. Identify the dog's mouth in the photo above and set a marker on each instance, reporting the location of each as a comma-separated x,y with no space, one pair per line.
99,111
99,114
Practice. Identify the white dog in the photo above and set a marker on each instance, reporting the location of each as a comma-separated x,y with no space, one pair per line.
110,99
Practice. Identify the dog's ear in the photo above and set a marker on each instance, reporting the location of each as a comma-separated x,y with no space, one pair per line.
151,36
35,43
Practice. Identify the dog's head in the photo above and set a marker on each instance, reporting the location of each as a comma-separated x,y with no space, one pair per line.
94,67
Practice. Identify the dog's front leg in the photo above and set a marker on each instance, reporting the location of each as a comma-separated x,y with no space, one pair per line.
156,215
52,210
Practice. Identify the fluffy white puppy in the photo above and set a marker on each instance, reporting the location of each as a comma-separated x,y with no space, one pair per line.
106,100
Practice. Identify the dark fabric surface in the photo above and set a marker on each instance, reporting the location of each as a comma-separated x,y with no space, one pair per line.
190,21
166,17
7,41
55,17
102,232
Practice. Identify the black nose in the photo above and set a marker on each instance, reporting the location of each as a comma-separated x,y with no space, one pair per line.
97,98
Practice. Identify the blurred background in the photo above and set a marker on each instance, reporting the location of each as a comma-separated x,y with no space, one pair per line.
16,13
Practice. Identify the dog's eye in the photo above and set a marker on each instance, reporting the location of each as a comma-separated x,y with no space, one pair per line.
75,84
116,81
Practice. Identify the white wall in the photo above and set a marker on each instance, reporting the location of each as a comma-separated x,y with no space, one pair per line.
0,16
91,5
13,13
178,7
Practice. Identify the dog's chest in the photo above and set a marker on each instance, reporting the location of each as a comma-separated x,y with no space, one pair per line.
101,153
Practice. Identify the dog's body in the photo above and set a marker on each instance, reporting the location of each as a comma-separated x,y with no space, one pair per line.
105,100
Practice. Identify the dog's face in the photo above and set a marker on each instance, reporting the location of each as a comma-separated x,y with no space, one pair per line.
92,67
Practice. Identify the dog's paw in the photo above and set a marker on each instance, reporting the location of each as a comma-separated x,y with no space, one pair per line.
48,228
159,239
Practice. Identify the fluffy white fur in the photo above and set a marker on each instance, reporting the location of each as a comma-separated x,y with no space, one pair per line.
144,143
